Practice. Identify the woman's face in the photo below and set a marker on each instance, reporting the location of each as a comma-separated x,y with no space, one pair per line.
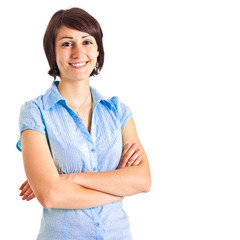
76,54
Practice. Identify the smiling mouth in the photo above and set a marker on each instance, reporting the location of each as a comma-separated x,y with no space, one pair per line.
78,65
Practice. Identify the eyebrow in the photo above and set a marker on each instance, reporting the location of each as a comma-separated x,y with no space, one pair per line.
66,37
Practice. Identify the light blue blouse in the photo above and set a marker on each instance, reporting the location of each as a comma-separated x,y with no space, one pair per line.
74,149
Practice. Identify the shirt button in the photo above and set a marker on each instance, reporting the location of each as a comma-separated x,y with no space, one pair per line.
94,169
97,224
93,150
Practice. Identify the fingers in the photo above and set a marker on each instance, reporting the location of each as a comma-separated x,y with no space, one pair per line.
25,186
131,155
125,150
30,197
22,186
136,161
135,158
128,153
26,191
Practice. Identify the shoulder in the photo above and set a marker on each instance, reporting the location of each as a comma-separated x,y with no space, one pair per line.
118,107
122,110
31,107
31,116
33,104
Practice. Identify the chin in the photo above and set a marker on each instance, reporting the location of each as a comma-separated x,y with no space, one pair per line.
76,76
81,78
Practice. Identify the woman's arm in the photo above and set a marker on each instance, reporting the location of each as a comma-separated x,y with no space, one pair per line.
50,190
131,156
124,181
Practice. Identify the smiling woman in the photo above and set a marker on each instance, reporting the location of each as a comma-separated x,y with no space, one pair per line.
81,151
76,54
82,22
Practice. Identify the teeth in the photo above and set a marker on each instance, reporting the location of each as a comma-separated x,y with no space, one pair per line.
78,64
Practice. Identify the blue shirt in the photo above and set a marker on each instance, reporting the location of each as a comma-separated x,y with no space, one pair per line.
74,149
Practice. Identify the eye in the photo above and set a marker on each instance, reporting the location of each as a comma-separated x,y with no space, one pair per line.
87,42
67,44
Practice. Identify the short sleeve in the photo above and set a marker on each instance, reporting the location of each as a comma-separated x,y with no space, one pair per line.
124,112
30,118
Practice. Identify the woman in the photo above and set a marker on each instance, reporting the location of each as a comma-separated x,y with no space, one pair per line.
81,152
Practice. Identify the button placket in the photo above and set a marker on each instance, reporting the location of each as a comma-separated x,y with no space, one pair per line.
93,149
98,223
94,159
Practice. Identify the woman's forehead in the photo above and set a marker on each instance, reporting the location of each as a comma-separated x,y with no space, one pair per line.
70,32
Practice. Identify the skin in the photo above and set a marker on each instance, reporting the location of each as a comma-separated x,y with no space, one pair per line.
131,156
76,57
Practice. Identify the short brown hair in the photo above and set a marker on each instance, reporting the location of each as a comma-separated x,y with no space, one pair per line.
75,18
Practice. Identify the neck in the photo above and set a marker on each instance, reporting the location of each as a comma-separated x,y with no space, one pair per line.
74,92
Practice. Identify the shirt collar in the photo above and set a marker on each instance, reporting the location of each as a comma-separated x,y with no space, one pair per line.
97,97
52,96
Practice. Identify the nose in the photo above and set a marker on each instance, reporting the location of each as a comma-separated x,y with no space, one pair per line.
77,51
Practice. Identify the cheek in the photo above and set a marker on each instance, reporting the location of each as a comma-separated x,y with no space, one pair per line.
93,54
61,60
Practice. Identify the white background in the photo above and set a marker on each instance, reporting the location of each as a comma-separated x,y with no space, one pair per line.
176,64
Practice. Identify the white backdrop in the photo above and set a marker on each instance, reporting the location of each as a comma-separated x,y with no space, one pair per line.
176,64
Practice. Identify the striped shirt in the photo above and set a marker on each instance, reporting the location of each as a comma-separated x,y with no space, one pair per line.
74,149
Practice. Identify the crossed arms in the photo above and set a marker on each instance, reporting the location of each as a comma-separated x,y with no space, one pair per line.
83,190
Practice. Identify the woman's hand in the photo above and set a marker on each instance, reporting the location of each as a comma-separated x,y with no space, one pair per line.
131,156
26,191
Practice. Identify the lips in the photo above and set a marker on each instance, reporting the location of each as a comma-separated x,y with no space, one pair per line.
78,65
